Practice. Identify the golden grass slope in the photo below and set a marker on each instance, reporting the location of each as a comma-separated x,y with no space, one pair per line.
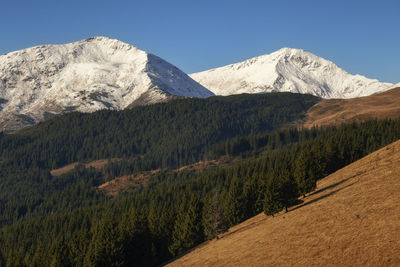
337,111
127,182
97,164
352,219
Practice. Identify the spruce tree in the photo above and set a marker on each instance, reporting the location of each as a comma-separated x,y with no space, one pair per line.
304,172
234,209
160,223
288,191
250,195
14,259
281,190
135,238
272,201
106,248
213,218
188,230
61,254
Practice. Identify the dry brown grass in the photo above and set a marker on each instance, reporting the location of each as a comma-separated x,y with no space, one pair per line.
128,182
124,183
337,111
352,219
222,162
97,164
64,169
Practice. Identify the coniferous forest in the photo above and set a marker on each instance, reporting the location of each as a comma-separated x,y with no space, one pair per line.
65,220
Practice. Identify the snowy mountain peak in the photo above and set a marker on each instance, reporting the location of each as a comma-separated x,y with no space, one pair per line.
287,51
288,70
86,76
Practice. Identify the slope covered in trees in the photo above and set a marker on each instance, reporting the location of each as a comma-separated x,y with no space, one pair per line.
165,135
64,220
177,210
161,135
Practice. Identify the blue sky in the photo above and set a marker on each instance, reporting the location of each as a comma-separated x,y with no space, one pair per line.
360,36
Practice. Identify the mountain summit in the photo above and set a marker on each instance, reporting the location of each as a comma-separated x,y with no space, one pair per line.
288,70
85,76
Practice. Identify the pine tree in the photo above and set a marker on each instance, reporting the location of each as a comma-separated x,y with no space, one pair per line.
281,190
135,239
106,248
250,195
234,208
38,258
61,255
289,192
188,229
160,220
213,218
272,201
14,259
303,172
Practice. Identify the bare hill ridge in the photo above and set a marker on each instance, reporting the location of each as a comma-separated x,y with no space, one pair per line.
337,111
352,219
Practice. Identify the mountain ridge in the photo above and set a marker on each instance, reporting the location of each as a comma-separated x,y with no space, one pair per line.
288,70
43,81
87,75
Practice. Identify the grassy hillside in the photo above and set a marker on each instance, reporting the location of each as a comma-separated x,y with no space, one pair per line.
351,219
337,111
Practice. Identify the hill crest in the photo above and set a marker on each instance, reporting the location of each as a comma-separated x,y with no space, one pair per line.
326,112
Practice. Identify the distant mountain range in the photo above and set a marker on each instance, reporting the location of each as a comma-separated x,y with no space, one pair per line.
288,70
102,73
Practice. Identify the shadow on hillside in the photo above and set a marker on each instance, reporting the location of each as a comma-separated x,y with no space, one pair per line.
326,195
259,221
184,253
331,186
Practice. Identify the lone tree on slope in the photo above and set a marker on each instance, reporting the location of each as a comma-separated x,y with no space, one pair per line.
281,191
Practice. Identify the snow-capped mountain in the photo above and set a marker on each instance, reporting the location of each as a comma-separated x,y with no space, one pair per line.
86,76
288,70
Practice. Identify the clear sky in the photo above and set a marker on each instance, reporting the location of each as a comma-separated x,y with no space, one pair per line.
360,36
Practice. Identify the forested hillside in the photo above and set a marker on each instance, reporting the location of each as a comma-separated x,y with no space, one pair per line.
161,135
64,220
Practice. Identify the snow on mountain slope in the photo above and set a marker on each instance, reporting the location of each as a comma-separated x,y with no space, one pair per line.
85,76
395,86
288,70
